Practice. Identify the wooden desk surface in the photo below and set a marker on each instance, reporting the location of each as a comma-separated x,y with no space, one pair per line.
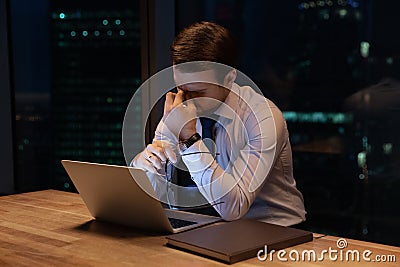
54,228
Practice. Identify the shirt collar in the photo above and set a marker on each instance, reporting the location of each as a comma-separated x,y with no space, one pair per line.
228,108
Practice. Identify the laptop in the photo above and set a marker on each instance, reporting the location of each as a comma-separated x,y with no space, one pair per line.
111,194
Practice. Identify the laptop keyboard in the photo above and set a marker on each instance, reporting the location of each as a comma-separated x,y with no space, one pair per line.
178,223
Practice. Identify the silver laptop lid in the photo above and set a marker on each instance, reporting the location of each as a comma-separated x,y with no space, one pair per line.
111,194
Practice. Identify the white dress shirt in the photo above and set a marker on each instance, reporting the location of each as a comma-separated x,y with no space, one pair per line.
252,175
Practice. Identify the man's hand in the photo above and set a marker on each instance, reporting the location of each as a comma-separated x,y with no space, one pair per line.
179,117
154,156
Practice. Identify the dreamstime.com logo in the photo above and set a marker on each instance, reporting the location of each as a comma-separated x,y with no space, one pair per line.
339,254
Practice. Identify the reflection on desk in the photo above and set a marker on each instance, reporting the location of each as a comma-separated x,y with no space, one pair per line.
54,228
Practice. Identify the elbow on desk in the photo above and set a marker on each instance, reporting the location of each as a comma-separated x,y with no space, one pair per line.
232,215
235,209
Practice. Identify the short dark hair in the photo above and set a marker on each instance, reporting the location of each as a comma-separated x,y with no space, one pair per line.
205,41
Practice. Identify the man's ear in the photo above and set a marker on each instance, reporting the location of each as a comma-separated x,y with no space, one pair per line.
230,78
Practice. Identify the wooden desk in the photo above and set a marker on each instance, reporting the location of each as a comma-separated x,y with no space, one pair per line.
54,228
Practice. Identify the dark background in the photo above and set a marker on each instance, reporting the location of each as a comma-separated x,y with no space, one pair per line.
332,67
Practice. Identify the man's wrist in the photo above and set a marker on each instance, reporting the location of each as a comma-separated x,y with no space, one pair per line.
197,157
185,144
186,135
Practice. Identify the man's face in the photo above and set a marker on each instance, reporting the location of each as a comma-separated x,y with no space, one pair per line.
207,96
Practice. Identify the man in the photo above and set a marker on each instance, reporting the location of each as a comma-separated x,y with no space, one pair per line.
248,171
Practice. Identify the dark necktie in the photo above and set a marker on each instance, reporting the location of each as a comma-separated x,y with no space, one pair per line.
208,132
208,127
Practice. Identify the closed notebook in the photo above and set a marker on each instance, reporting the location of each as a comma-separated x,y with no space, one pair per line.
238,240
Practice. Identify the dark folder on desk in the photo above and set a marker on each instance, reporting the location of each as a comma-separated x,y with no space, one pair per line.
238,240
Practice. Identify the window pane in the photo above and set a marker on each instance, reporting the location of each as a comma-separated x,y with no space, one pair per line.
333,68
84,81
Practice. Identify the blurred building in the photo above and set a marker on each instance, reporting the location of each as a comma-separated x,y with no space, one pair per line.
95,56
347,168
32,145
326,59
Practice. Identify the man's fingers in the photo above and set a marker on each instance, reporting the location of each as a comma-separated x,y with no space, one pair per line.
169,101
143,163
158,151
179,98
167,150
170,153
154,160
148,167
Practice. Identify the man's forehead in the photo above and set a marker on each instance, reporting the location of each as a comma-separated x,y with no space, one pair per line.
206,76
194,86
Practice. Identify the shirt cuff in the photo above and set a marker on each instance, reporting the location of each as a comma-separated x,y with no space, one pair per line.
197,157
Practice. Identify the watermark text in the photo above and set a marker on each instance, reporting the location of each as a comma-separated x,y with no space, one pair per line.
340,253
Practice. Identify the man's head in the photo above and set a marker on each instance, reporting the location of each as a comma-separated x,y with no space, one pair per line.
207,42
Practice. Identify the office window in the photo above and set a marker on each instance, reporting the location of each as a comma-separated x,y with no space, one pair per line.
95,59
30,59
77,65
333,67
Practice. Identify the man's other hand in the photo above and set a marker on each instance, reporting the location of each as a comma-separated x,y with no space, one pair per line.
180,115
154,157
